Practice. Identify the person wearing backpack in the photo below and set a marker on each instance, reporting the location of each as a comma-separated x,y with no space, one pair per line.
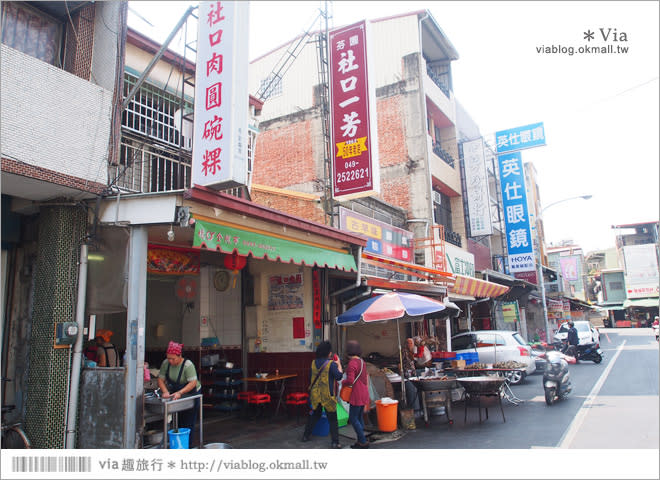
325,372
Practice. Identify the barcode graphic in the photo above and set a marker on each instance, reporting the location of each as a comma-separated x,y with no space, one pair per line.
51,464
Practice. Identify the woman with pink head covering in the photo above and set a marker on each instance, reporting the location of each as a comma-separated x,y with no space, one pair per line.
178,378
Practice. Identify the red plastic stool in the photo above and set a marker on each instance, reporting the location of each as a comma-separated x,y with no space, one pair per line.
296,399
260,400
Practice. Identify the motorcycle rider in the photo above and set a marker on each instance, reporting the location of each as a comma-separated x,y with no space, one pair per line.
573,341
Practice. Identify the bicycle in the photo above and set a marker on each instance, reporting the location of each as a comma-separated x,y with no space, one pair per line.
13,435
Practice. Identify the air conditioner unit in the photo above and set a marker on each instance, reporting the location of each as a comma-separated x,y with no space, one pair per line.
187,130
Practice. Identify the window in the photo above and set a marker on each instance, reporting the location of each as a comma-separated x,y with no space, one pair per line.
462,342
153,112
31,32
270,87
442,209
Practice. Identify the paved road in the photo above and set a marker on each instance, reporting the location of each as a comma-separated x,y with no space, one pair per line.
613,405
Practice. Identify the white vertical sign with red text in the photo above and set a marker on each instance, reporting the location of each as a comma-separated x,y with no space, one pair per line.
221,96
353,123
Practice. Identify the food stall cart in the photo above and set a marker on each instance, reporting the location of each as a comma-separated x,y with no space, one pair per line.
436,391
407,307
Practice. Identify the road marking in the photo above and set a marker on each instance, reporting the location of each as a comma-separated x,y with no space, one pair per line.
575,425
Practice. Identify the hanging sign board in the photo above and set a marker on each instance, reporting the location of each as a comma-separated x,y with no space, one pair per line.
354,157
219,157
516,216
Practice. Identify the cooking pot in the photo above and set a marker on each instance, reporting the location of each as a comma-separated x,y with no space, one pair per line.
430,384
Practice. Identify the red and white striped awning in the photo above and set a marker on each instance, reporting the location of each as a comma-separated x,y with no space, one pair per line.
477,288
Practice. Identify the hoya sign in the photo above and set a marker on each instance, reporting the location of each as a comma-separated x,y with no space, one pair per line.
516,217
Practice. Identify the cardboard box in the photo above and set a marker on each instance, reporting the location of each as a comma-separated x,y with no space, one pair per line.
458,364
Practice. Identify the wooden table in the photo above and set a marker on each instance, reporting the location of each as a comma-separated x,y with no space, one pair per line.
273,378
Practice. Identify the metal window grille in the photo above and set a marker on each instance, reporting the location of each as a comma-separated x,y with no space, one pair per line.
147,168
152,112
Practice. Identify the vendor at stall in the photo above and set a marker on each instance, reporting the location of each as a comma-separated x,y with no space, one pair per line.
409,369
177,378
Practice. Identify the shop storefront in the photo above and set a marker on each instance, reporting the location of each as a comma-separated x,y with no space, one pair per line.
237,283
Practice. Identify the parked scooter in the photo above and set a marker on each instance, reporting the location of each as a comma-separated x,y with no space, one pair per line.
556,379
590,351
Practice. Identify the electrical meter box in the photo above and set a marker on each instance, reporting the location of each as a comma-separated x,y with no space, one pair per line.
66,333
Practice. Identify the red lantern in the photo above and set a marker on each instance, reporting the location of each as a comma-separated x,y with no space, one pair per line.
235,262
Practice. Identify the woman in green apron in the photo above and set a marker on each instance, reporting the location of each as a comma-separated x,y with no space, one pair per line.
322,391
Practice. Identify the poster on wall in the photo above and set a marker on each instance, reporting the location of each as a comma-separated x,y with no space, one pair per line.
284,327
285,292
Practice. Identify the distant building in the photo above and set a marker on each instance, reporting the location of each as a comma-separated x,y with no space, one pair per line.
637,247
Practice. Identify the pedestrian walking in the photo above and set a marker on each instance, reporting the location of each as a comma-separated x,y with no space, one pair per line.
357,377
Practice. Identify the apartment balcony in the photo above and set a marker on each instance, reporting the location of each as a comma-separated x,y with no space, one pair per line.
52,121
453,237
443,167
440,96
449,160
146,166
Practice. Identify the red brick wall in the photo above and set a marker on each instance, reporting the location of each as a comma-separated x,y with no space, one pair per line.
391,134
40,173
396,191
284,156
300,207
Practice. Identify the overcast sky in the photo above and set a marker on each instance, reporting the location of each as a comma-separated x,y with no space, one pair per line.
600,111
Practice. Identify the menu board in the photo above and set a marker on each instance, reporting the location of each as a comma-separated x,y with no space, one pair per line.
284,327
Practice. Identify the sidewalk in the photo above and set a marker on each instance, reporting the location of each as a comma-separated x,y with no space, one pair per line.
278,432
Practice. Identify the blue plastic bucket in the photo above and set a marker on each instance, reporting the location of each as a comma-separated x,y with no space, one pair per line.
322,427
178,439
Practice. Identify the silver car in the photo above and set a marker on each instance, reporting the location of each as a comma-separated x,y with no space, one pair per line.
497,346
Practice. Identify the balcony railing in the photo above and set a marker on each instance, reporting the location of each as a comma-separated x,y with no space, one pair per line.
437,79
146,168
448,159
453,237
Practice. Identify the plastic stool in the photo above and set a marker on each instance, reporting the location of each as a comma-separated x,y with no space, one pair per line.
259,399
296,399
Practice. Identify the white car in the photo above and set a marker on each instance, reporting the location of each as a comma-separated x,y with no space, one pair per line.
495,346
587,333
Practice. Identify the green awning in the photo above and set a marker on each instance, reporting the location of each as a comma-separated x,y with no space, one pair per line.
230,239
617,306
641,302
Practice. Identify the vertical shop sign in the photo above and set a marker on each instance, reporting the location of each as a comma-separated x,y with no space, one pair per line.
516,217
317,305
221,97
476,185
355,170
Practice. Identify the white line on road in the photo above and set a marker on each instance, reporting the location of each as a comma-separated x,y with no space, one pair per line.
575,425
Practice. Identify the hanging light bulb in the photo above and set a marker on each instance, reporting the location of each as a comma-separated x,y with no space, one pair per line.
170,234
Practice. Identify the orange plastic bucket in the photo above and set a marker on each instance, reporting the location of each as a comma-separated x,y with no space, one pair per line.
387,415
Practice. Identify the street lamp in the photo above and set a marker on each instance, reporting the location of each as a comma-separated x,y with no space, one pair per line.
539,272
